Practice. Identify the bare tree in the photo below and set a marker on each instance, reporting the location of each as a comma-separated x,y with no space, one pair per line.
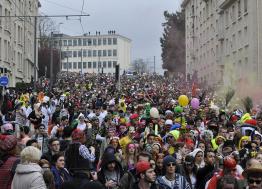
139,66
46,26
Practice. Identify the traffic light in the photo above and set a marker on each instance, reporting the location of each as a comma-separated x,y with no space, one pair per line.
117,72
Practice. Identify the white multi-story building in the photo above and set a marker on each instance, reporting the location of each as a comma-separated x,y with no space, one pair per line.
94,53
223,40
17,39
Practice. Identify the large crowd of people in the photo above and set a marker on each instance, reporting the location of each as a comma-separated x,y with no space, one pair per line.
146,132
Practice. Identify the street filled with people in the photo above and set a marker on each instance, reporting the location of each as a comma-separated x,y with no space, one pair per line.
143,132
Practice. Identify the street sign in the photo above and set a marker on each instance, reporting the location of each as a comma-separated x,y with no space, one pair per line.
4,81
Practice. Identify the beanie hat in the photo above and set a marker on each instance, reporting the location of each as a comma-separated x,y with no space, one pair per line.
229,163
194,153
169,159
8,142
189,159
77,134
142,166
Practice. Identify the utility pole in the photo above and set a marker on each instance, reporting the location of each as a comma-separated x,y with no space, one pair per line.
35,48
67,64
81,61
51,61
154,64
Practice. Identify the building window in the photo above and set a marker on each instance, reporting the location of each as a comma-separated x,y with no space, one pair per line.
245,6
69,65
79,65
89,41
94,53
65,42
75,65
65,65
109,52
79,42
233,13
109,41
114,41
69,54
1,10
114,64
79,53
74,42
104,41
89,64
104,52
69,42
94,41
114,52
84,53
75,54
84,42
94,64
89,53
99,64
104,64
84,65
99,41
109,64
99,53
239,8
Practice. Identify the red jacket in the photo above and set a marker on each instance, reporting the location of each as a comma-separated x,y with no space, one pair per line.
7,171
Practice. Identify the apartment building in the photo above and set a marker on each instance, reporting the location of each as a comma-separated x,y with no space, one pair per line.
94,53
223,40
17,39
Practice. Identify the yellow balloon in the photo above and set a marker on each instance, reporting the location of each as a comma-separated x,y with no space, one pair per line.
183,100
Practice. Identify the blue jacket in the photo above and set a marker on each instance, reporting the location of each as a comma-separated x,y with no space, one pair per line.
60,176
180,182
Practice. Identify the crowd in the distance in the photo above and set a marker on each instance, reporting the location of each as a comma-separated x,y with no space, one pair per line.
153,133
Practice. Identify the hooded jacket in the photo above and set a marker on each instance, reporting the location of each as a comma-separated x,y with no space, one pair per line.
108,158
28,176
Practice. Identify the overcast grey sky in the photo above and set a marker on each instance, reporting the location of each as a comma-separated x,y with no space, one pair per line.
139,20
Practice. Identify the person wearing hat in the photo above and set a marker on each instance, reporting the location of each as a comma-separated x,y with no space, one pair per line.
128,138
81,124
8,129
172,180
229,170
146,176
8,160
253,175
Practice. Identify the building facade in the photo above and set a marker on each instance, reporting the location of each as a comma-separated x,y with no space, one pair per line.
17,39
223,40
94,53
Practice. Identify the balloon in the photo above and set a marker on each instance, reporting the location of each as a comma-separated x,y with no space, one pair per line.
183,100
178,109
195,103
154,113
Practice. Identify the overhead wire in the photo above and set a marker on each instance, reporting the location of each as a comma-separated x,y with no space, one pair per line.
60,5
